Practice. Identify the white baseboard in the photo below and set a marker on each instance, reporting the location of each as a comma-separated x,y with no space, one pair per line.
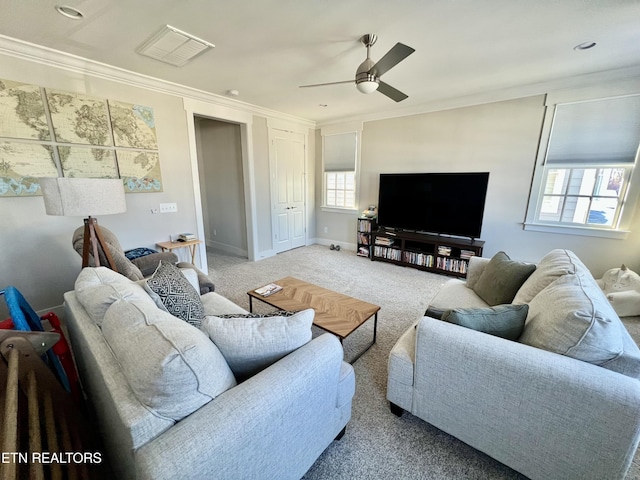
328,243
230,249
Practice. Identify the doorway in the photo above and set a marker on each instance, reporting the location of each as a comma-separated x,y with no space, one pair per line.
219,152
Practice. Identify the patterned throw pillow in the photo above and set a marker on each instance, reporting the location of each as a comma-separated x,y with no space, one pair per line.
276,313
173,293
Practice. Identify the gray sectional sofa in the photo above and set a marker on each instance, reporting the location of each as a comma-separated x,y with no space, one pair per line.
562,400
169,405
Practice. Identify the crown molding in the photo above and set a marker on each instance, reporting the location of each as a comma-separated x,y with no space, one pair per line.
595,81
54,58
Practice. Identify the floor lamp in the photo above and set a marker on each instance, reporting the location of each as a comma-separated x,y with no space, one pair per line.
84,197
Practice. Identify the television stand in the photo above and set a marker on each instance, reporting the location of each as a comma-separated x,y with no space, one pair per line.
433,253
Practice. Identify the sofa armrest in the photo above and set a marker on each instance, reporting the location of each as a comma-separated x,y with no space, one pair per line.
274,425
573,419
148,263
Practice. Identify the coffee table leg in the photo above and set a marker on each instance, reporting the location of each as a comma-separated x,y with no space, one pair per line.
250,304
375,329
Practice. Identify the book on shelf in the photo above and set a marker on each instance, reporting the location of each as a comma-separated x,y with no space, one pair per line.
185,237
443,250
363,251
467,254
268,289
384,241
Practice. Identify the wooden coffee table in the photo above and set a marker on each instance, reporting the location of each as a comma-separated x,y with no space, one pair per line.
335,313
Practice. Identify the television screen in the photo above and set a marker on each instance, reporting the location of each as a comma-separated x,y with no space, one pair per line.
441,203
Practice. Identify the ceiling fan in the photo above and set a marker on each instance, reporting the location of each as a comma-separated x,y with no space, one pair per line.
369,72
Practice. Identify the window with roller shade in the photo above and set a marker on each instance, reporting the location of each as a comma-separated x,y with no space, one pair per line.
590,158
340,160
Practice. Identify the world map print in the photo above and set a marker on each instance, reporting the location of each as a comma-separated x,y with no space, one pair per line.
48,132
79,118
21,164
22,112
86,162
133,125
140,171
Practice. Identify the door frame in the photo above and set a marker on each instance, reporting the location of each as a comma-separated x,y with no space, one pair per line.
276,124
199,108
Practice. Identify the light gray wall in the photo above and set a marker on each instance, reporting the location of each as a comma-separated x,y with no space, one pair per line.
221,184
36,254
501,138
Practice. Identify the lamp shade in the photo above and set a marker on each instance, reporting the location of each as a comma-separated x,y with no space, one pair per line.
83,197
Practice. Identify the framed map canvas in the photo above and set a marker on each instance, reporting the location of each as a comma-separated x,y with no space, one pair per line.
140,171
22,112
133,125
87,162
79,118
20,166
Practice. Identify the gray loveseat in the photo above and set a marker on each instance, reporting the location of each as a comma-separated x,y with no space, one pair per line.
168,405
538,409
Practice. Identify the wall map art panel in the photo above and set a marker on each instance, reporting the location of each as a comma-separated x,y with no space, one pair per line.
48,133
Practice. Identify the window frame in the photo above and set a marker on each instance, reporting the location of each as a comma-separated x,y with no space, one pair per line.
627,199
341,129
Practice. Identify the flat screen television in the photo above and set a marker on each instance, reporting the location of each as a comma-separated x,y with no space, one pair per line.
440,203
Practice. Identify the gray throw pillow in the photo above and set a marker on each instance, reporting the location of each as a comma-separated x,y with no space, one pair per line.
173,293
501,279
506,321
250,344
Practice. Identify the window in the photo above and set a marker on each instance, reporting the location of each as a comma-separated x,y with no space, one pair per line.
340,149
587,170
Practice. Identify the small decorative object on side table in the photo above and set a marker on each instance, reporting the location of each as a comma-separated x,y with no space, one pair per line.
191,244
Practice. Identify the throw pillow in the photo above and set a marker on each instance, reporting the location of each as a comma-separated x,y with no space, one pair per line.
505,321
172,368
98,288
572,317
173,293
501,279
435,312
251,344
552,266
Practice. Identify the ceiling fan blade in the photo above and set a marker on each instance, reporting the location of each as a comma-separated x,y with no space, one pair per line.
393,57
391,92
325,84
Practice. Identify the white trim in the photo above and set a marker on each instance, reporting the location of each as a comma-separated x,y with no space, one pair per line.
54,58
350,211
193,108
571,230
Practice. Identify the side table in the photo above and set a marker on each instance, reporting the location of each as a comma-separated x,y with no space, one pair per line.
191,244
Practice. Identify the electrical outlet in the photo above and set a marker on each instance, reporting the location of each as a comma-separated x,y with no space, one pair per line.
168,207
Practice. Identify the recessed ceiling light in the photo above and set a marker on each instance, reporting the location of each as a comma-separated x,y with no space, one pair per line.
585,46
69,12
323,105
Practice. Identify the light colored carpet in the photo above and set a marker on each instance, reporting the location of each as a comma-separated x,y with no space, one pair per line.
377,444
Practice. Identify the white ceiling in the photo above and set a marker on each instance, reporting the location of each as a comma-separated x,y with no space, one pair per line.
265,49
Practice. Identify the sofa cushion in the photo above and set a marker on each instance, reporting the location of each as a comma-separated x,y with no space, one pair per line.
173,293
251,344
501,279
552,266
171,366
572,317
98,288
506,321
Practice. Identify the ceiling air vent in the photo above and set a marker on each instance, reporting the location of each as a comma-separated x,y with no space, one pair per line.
173,46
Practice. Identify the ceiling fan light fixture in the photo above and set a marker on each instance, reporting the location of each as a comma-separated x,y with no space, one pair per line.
368,86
